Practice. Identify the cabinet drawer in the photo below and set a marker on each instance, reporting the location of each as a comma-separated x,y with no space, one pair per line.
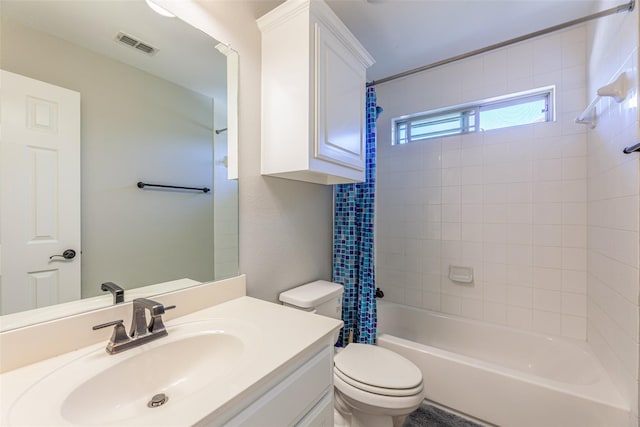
321,415
288,402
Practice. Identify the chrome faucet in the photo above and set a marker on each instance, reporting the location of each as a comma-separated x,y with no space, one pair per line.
141,331
139,326
117,291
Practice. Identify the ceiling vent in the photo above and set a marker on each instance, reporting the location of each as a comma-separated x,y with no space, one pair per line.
134,43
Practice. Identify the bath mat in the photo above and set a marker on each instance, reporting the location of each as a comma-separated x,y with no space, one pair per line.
430,416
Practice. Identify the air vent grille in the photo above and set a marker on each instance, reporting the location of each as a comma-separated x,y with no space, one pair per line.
135,43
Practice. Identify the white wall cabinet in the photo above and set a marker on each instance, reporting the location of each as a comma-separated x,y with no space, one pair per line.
313,95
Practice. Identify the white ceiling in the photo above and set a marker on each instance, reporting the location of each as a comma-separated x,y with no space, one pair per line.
399,34
406,34
93,24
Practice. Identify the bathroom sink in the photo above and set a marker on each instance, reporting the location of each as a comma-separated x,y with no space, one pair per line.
98,388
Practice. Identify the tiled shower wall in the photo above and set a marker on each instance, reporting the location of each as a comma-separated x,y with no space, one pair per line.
510,203
613,217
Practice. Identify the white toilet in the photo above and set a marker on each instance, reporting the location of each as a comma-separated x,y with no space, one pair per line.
374,387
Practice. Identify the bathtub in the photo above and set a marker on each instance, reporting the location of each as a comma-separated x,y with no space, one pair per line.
502,375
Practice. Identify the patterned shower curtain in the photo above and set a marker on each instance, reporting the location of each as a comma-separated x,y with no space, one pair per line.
353,252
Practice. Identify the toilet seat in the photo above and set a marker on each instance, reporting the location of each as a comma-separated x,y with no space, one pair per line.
375,403
393,392
377,370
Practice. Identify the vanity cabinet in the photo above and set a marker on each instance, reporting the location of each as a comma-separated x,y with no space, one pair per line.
313,95
267,366
304,397
300,394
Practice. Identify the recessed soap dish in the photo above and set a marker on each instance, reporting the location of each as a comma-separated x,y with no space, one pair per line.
461,274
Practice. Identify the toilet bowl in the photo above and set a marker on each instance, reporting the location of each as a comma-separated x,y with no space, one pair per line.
374,387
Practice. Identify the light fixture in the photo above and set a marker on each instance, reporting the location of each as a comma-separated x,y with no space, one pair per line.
159,10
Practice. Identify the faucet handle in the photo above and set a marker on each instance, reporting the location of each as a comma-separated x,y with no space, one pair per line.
106,325
156,325
118,337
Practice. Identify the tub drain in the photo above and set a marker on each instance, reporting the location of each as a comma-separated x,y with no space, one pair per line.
158,400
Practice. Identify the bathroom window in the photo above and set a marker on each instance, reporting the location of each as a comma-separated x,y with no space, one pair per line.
511,110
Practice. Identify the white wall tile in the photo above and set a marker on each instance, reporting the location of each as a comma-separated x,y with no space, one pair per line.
471,194
547,257
451,212
547,169
574,236
520,192
472,156
574,213
547,300
451,195
495,292
547,278
547,322
431,300
520,234
520,296
519,317
495,213
511,203
519,255
520,213
574,281
547,192
471,214
574,145
548,213
547,55
451,176
451,159
451,231
471,232
451,304
574,304
495,312
574,327
574,258
472,308
574,168
547,235
612,212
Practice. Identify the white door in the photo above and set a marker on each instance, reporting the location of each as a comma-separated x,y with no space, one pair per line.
39,193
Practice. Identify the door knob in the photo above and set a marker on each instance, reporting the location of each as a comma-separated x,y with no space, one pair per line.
68,254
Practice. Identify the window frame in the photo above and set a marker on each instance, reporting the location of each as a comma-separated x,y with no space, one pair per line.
476,108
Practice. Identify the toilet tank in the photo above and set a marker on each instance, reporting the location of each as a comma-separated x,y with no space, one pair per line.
321,297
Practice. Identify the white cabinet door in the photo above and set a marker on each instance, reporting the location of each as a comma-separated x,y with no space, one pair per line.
340,102
313,95
293,399
39,193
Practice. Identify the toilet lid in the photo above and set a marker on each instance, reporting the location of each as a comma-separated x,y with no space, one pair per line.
377,367
339,377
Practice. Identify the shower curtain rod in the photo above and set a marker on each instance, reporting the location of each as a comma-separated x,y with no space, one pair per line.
627,7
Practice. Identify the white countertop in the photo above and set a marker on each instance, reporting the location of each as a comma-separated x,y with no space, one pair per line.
283,332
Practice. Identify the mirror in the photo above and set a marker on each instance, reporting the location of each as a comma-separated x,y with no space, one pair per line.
153,109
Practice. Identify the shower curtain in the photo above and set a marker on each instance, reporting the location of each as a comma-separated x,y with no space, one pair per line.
353,252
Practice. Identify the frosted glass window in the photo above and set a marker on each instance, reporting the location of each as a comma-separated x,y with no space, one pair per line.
505,111
523,111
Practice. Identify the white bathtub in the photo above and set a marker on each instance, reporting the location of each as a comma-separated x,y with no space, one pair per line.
502,375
